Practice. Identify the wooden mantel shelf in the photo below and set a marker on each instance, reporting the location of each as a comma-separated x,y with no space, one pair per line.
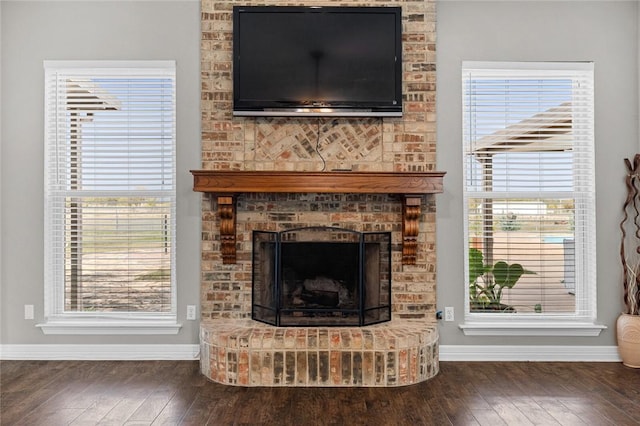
224,182
227,184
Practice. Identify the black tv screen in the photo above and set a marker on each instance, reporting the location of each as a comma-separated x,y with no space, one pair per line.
320,61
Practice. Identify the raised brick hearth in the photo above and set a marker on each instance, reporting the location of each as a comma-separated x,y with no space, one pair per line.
234,349
247,353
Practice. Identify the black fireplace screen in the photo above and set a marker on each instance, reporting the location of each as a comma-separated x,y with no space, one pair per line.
321,276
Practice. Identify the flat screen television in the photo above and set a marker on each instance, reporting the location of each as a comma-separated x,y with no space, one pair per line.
317,61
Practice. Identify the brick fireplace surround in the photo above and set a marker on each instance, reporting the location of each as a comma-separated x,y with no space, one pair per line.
239,351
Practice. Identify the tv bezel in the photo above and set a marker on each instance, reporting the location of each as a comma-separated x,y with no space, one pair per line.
320,109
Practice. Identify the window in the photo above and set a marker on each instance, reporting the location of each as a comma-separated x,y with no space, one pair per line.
529,198
110,197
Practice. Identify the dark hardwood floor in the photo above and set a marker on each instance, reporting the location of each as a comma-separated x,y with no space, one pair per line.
174,393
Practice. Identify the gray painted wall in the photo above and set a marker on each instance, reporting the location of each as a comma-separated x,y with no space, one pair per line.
37,31
604,32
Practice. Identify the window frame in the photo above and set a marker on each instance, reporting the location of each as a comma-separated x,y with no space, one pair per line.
57,320
540,324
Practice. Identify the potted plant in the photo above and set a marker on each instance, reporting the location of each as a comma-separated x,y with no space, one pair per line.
628,323
487,282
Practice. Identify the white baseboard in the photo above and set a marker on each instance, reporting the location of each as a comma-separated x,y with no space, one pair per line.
100,352
529,353
191,352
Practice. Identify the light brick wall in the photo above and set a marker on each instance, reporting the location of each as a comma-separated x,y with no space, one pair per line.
365,144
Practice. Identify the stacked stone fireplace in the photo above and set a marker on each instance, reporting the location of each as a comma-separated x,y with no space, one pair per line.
237,350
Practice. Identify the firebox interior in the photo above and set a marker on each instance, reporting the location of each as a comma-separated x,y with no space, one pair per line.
321,276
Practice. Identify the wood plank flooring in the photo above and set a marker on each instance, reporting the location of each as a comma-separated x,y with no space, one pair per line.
175,393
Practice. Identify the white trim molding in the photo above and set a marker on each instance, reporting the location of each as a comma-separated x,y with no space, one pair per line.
94,1
533,328
547,353
187,352
79,326
182,352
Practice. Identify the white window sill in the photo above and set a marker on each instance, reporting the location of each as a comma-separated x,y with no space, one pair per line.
109,326
531,328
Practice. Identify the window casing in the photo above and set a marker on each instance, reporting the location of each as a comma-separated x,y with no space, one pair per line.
529,199
110,197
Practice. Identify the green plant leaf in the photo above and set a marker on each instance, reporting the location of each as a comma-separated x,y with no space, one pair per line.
495,278
476,265
506,275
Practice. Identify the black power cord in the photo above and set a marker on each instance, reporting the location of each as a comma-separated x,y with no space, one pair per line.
324,163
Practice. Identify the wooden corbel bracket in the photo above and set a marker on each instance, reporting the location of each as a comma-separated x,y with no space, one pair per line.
411,209
227,214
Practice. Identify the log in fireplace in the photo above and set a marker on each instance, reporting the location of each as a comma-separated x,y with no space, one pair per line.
321,276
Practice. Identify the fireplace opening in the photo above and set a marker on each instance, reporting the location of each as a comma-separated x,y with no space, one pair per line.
321,276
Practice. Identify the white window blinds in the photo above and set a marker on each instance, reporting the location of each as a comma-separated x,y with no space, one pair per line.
529,189
110,188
